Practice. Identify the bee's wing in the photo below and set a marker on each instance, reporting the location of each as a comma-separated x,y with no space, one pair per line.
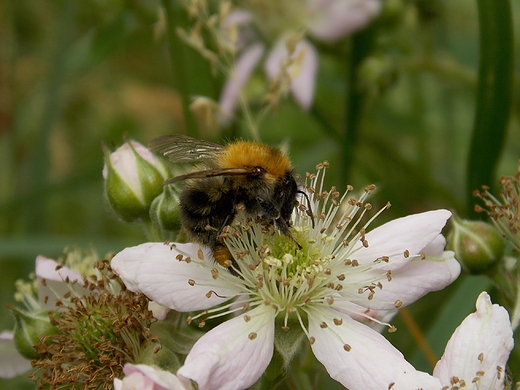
183,149
211,173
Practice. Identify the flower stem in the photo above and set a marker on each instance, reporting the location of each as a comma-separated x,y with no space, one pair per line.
515,316
494,95
178,56
418,336
361,45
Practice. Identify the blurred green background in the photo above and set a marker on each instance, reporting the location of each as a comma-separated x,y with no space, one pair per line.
398,104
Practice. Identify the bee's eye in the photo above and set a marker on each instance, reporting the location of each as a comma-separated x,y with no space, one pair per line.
257,171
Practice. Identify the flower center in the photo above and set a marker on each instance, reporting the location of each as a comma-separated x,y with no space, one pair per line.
274,272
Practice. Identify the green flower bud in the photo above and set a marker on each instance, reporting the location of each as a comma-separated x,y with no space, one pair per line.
133,178
28,329
478,245
165,210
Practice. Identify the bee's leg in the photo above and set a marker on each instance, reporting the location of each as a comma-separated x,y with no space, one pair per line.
227,220
221,253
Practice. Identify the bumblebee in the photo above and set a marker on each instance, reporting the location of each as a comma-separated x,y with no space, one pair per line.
249,176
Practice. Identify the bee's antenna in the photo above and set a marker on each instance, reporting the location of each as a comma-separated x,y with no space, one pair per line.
309,209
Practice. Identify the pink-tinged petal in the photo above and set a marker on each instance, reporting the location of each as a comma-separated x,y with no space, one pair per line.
11,362
51,270
303,84
411,282
479,347
144,377
235,83
237,17
420,277
123,160
359,357
303,71
411,234
275,58
366,316
234,354
153,269
55,275
331,20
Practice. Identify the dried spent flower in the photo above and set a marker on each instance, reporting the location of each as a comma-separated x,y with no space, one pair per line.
505,214
97,334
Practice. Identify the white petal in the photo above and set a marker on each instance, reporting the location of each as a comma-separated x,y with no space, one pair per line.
118,384
235,83
482,343
234,354
304,73
411,282
237,17
154,378
412,233
302,86
371,361
366,316
436,247
49,269
152,268
418,278
55,287
159,311
11,362
275,58
330,20
126,262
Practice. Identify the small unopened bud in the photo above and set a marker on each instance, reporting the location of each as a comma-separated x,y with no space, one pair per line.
478,245
28,329
133,178
165,210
